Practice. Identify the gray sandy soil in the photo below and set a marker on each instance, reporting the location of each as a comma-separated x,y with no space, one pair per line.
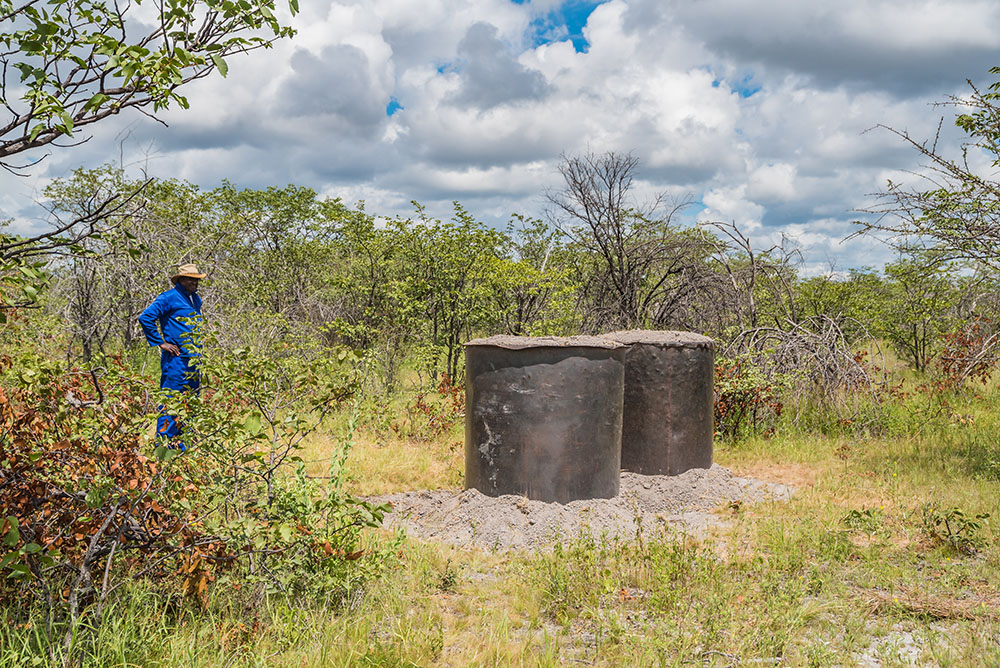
469,518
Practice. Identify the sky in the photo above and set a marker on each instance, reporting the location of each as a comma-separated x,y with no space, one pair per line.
763,113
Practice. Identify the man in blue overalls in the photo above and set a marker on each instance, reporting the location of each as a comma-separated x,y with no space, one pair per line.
170,324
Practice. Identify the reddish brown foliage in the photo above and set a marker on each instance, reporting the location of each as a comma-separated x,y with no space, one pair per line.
743,399
431,415
77,484
969,352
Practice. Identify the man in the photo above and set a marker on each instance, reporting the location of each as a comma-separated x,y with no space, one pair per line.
170,323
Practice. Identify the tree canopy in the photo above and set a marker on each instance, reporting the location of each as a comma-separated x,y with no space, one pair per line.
954,209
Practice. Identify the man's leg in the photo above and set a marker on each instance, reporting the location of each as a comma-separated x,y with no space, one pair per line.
167,427
172,377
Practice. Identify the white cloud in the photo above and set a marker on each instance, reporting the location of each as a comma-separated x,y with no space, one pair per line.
774,182
730,205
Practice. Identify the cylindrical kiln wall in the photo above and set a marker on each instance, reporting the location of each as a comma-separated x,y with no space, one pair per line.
544,417
668,419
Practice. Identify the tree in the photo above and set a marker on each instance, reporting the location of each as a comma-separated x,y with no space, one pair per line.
67,65
856,302
450,276
539,297
370,311
752,285
918,309
638,267
22,259
281,236
107,278
957,211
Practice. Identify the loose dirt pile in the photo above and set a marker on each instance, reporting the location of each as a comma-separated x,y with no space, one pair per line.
470,518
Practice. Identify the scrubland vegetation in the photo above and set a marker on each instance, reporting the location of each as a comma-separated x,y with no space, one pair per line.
884,552
333,372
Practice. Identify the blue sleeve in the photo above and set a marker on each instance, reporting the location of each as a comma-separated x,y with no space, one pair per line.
148,320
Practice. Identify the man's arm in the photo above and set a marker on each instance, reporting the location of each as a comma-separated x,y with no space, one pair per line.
149,319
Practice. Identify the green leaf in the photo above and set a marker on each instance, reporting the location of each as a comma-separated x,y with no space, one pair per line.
252,424
31,548
96,101
67,122
46,29
94,497
165,454
26,70
19,571
220,64
12,536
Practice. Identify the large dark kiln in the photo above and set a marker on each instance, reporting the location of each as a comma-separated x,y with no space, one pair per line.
544,417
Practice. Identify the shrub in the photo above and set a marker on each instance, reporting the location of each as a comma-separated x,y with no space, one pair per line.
954,527
431,415
746,400
91,501
969,351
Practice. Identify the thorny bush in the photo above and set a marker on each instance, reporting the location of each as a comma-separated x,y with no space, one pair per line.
814,362
90,501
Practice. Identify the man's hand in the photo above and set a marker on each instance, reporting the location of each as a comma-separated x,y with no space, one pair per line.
170,348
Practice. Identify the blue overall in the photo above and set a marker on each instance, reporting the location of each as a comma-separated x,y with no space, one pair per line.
177,315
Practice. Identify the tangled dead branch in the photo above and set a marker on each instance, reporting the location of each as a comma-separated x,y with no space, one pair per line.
819,362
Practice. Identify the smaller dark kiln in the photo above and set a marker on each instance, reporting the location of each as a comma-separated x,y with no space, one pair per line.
668,421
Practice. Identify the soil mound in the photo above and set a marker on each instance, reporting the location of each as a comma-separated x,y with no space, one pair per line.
472,519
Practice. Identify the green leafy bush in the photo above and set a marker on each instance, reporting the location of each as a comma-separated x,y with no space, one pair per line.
954,527
746,399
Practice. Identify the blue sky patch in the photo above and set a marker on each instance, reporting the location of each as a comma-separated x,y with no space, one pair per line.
565,22
393,106
745,87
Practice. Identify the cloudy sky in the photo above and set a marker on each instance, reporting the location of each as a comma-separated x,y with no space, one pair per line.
756,110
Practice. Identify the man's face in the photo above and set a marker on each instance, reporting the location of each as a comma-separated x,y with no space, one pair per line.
189,284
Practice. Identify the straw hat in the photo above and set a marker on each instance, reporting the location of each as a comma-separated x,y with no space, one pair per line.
188,270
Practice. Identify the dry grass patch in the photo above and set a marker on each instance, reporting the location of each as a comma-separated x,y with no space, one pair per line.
377,466
913,602
793,474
